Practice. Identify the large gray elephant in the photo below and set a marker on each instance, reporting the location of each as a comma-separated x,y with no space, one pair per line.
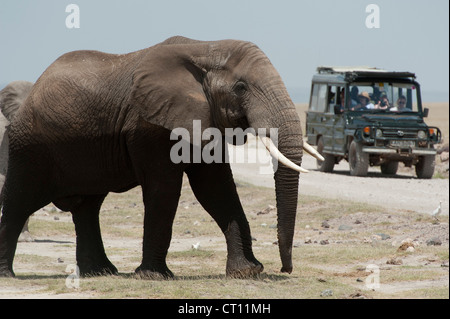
96,123
12,97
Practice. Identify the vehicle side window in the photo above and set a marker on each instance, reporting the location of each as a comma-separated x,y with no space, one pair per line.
332,98
314,95
322,100
319,98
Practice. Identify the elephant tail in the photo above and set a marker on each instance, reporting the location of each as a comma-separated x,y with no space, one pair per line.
1,203
12,97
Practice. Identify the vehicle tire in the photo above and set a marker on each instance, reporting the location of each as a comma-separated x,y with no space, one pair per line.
358,160
389,168
425,166
328,164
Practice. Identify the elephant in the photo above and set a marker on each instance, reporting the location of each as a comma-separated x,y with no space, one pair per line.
96,123
11,97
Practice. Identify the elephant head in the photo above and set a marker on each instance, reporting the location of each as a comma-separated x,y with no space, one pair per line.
225,84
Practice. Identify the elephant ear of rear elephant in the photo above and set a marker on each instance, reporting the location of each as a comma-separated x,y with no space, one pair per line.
13,96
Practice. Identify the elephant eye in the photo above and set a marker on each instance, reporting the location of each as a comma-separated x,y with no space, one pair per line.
240,88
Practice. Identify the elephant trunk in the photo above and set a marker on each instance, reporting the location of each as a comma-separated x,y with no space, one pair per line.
286,187
290,144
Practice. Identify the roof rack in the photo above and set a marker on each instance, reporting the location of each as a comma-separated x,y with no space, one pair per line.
345,69
362,71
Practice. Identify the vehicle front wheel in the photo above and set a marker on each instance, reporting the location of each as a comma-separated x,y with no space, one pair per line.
425,166
358,160
328,164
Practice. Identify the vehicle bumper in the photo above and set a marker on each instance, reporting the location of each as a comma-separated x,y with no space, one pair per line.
379,150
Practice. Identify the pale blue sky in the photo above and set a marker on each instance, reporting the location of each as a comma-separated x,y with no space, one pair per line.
296,35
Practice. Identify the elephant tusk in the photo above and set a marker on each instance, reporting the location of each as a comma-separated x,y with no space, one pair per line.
311,151
273,150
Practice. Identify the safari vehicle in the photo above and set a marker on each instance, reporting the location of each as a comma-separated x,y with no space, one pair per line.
370,116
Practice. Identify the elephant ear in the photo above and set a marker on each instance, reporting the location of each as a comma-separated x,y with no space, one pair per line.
13,96
167,88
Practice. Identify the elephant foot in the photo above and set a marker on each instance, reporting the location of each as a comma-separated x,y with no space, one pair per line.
107,269
154,273
5,272
243,268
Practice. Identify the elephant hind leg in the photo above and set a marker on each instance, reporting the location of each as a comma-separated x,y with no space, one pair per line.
14,217
90,253
10,229
161,197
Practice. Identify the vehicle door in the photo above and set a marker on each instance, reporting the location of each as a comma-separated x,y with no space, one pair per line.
319,118
336,113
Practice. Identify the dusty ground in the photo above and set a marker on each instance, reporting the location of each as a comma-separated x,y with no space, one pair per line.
335,242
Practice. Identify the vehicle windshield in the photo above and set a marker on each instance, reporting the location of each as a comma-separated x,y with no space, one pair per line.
382,96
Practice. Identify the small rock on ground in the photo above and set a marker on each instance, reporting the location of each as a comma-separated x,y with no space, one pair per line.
326,293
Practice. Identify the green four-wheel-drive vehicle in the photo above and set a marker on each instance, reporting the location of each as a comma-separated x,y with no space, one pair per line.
369,116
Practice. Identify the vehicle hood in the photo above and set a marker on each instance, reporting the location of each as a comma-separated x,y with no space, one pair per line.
393,119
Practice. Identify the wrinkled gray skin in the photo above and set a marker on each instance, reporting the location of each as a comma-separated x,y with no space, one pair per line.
12,97
96,123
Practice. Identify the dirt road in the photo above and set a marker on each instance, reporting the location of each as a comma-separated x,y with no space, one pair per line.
402,192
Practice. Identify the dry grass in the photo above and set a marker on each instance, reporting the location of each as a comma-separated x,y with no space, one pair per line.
338,265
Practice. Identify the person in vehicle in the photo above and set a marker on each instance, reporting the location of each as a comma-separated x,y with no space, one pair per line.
401,105
342,101
383,103
364,102
354,95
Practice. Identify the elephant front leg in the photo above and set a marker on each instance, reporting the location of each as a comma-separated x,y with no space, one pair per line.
91,256
161,197
214,187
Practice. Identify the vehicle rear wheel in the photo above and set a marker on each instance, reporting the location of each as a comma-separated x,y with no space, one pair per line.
425,166
389,168
328,164
358,160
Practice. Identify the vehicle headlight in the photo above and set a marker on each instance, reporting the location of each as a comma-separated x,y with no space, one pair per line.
379,133
421,134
